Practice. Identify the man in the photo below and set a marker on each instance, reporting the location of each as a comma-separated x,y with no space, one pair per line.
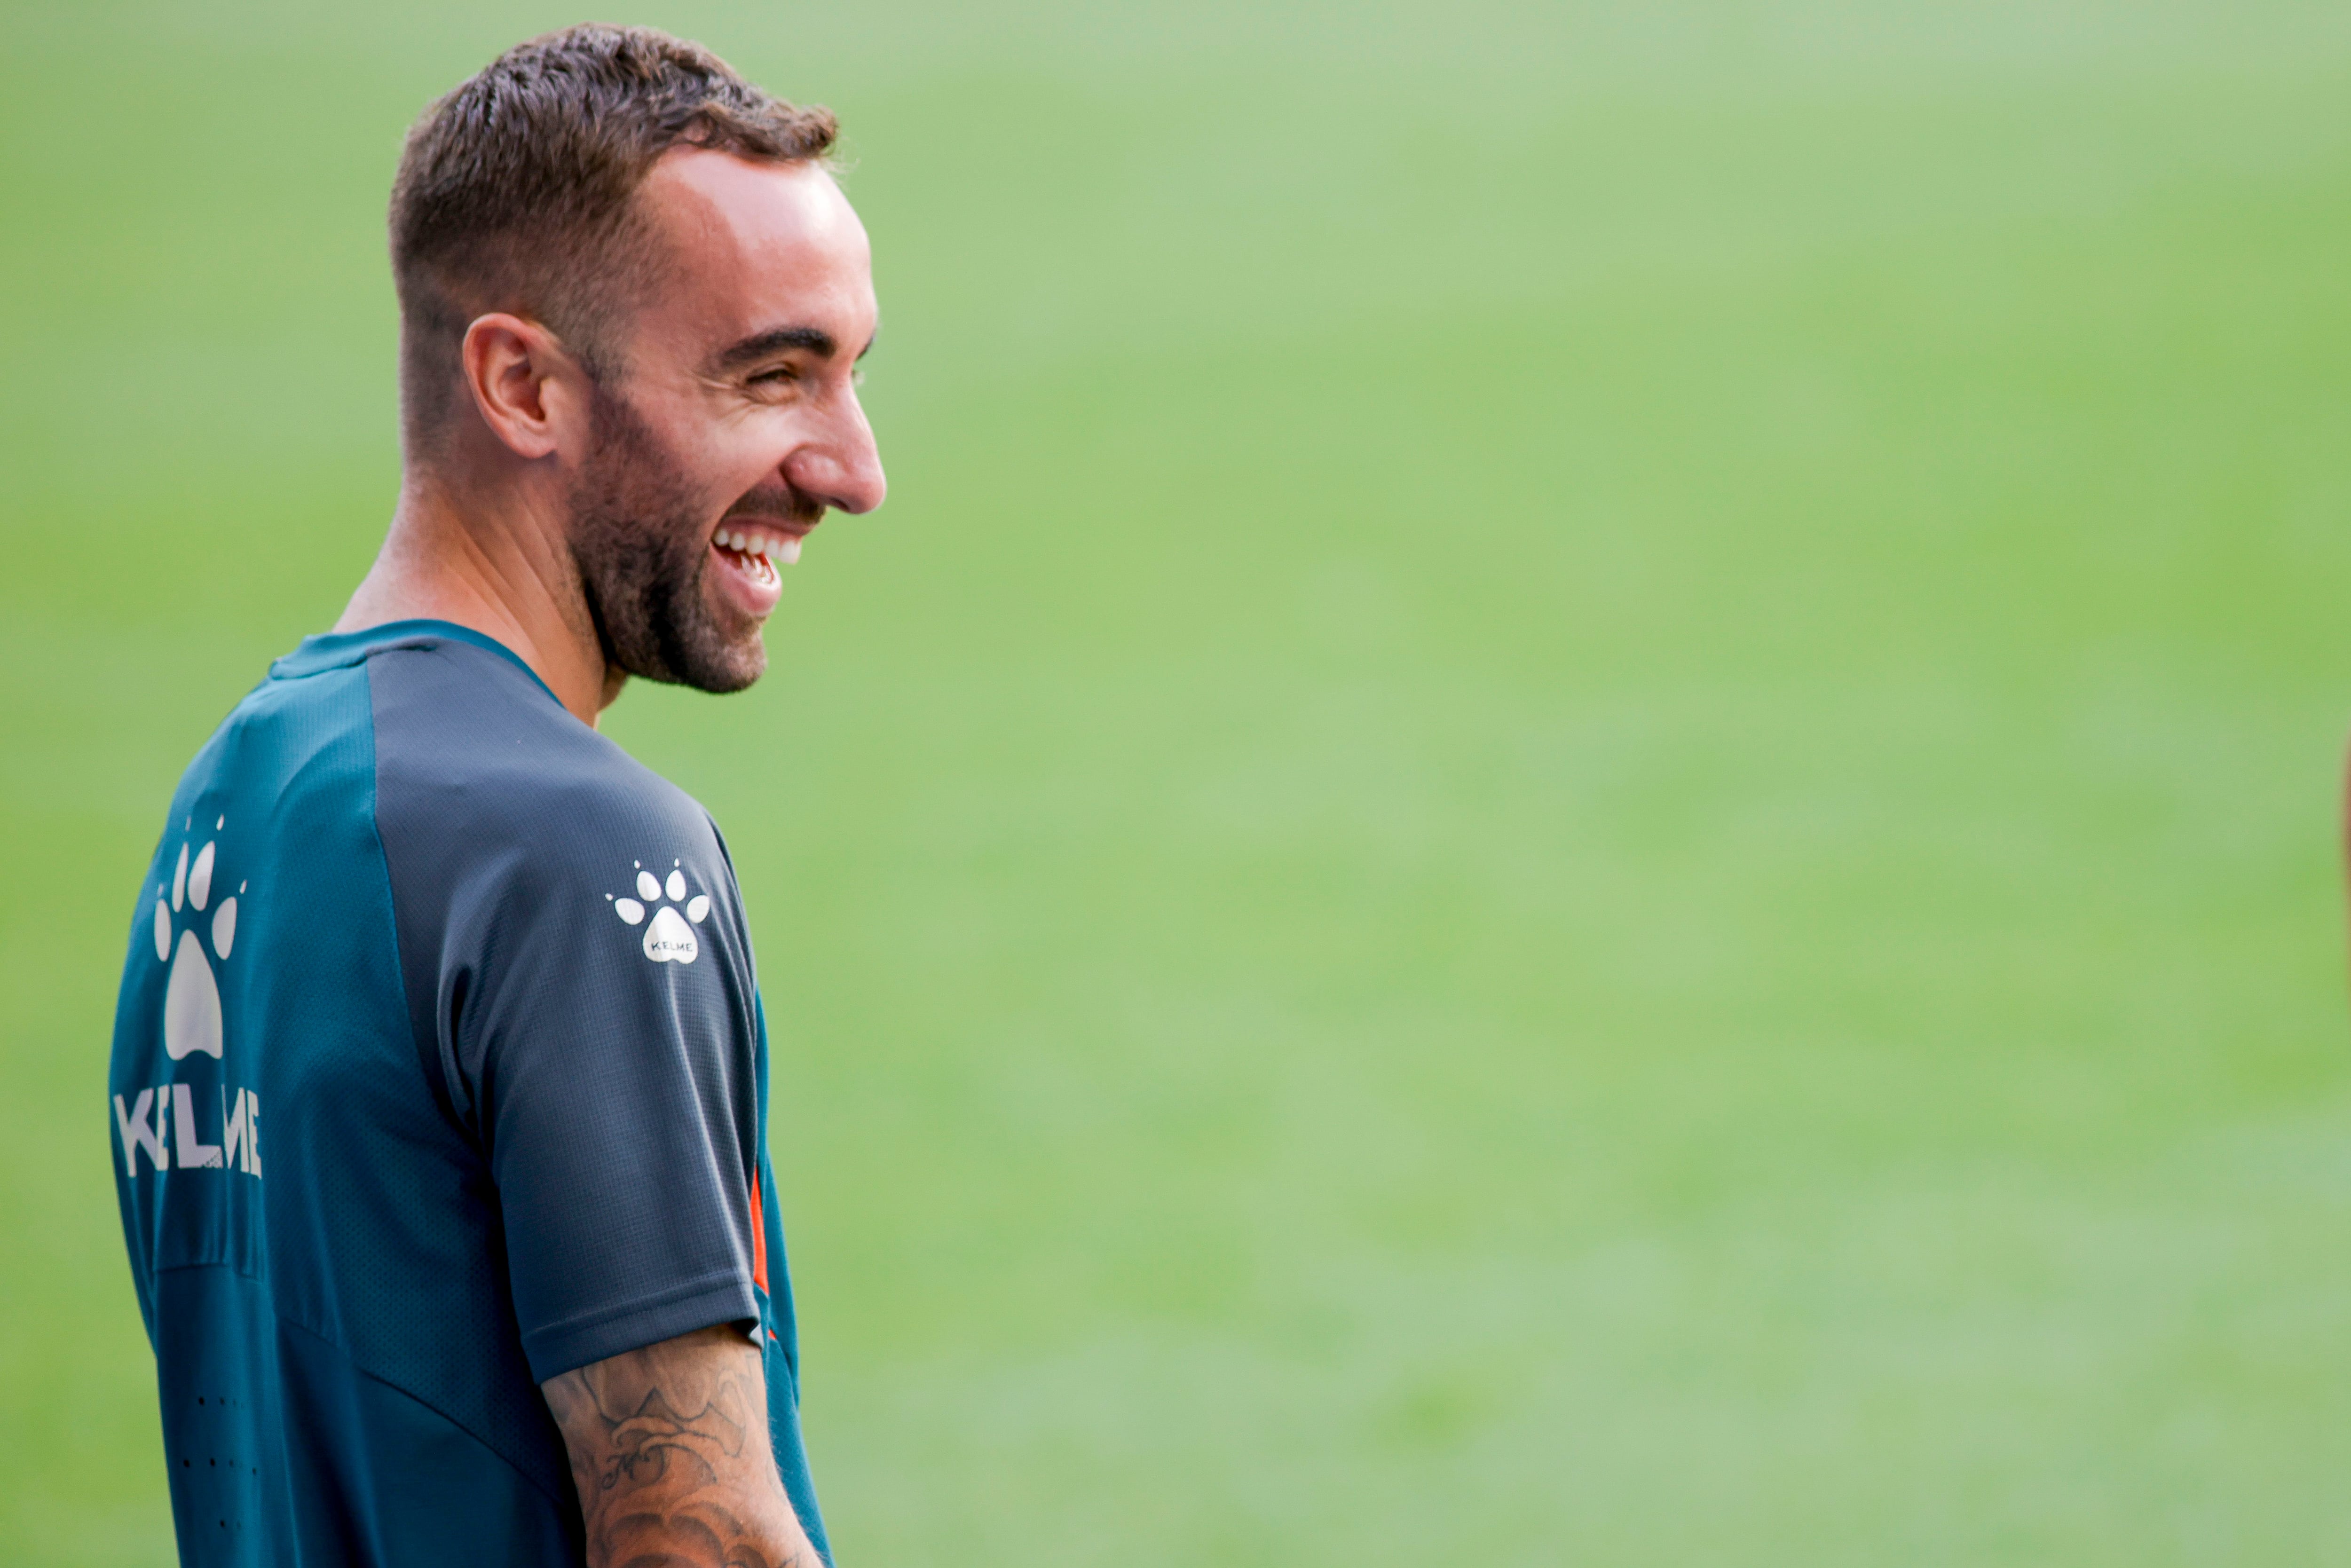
439,1082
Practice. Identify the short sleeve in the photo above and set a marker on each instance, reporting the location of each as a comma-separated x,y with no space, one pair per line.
580,981
610,1090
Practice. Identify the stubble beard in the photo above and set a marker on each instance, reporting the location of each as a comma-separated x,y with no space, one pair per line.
640,542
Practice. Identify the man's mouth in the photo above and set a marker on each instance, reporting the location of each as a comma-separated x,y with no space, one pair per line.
749,550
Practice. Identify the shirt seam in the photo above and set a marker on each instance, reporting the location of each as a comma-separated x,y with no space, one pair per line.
344,1353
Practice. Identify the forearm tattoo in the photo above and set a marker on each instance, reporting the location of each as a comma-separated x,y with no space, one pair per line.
669,1451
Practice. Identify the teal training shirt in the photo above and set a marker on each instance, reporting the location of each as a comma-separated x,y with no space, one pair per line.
439,1069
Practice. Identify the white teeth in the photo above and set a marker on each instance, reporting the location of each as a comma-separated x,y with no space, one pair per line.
779,549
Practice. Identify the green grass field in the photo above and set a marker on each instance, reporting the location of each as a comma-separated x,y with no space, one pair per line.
1580,806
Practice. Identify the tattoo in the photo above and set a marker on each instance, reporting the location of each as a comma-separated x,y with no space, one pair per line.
669,1452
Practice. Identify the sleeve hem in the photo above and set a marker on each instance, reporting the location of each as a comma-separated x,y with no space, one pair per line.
696,1304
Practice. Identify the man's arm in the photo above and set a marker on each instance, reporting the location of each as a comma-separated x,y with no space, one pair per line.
669,1450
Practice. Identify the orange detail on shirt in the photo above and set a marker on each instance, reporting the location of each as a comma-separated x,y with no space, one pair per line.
758,1237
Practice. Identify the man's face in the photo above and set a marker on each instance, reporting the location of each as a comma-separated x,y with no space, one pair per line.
736,425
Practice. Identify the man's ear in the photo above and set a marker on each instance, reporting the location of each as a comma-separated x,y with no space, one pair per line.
526,386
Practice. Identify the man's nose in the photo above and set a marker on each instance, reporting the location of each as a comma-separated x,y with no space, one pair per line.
842,469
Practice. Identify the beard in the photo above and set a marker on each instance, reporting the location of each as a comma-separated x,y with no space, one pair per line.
640,540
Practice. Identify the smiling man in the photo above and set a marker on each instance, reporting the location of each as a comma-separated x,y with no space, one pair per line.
508,1286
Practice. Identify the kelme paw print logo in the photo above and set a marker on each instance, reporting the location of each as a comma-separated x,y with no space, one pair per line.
669,939
192,1009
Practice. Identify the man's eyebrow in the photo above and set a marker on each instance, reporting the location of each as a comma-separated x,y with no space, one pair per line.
765,345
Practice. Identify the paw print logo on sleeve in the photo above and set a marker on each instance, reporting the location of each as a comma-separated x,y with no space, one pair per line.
191,1008
669,938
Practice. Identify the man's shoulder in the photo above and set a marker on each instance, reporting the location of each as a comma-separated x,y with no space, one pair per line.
469,738
490,797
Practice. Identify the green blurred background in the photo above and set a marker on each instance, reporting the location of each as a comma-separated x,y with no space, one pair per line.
1580,806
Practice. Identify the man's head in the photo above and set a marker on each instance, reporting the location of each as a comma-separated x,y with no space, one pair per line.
627,279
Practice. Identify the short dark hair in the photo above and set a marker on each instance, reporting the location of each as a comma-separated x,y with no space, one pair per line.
514,190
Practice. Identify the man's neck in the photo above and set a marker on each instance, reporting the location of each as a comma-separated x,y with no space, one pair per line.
496,569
